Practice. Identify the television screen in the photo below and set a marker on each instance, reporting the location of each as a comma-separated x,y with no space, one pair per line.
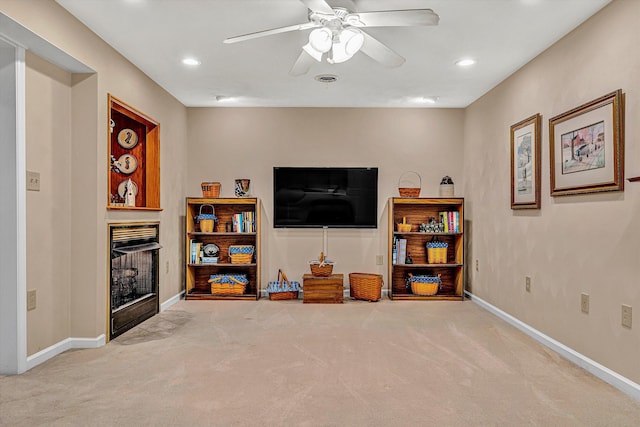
335,197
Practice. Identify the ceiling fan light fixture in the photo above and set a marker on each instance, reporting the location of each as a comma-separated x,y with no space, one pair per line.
321,39
355,40
353,19
345,45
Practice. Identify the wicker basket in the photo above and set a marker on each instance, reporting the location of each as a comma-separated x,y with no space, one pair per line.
210,189
409,191
437,252
228,284
365,286
241,254
323,270
283,289
404,227
207,221
425,285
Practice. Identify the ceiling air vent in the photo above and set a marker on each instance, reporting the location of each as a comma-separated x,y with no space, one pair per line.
326,78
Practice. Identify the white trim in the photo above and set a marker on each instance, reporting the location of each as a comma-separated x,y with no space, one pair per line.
21,204
13,234
62,346
605,374
168,303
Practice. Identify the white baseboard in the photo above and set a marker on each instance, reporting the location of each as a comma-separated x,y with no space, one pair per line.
605,374
174,299
62,346
72,343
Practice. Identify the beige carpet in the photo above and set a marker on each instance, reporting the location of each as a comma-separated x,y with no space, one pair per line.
270,363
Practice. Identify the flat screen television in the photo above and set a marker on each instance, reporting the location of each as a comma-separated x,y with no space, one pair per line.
318,197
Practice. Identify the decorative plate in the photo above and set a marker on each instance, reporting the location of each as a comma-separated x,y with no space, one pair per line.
122,188
211,250
128,164
127,138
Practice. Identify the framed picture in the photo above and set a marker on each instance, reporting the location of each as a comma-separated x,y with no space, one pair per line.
525,163
587,147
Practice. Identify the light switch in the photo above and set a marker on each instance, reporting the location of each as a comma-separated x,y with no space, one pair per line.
33,181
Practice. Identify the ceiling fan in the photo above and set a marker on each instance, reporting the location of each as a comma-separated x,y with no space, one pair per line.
338,34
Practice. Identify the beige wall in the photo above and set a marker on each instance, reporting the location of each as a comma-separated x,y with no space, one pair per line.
229,143
48,211
75,292
573,244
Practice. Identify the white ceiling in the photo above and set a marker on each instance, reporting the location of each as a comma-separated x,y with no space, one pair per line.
155,35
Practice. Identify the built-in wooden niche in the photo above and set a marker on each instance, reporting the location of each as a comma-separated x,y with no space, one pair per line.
134,153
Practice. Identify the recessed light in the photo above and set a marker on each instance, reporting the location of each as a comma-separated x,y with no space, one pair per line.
190,61
465,62
223,98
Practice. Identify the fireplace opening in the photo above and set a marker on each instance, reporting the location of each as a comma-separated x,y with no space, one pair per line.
133,284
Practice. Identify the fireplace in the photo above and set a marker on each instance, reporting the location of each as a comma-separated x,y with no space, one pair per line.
133,275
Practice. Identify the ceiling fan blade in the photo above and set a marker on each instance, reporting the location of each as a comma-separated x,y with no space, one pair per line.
257,34
380,52
302,64
396,18
320,6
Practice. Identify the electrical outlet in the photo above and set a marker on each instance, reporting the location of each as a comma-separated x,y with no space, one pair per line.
527,283
626,316
477,265
167,268
378,259
584,303
33,181
31,300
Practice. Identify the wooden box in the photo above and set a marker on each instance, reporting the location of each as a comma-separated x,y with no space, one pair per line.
327,290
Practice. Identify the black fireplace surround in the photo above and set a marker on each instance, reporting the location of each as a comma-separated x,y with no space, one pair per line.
133,275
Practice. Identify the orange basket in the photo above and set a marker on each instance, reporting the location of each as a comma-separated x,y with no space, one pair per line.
406,191
365,286
210,189
322,267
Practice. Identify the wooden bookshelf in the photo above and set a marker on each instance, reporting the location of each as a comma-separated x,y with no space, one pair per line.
197,274
418,211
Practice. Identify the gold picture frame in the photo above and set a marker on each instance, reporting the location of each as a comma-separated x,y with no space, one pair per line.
525,163
587,147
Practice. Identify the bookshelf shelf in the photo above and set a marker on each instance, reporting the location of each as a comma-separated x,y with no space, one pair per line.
198,273
418,211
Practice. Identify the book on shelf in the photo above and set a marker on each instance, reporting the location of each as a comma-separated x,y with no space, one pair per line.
192,252
394,251
244,222
450,220
195,248
402,251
